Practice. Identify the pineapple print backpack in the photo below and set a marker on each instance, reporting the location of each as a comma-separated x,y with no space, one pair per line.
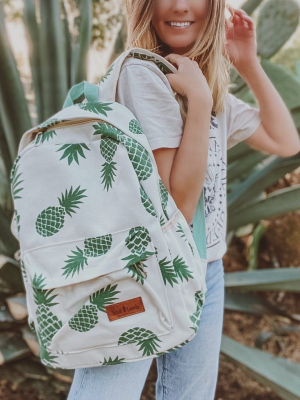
112,271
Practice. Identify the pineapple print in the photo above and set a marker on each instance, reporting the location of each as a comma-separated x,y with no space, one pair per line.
137,154
110,361
108,148
167,272
174,271
164,195
52,219
107,73
93,247
31,326
144,338
87,317
17,220
162,220
72,151
180,230
45,357
44,136
15,179
181,269
147,203
97,108
195,317
23,271
135,127
49,122
49,134
137,242
173,348
48,323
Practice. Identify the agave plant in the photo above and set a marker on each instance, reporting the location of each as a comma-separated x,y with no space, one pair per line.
250,174
58,60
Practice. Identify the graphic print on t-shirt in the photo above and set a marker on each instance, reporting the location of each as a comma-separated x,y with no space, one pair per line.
214,188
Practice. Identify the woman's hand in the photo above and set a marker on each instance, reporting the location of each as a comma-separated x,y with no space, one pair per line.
240,43
189,80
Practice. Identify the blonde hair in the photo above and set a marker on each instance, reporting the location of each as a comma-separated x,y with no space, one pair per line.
207,50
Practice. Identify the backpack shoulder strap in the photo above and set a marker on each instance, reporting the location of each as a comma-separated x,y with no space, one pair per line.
199,229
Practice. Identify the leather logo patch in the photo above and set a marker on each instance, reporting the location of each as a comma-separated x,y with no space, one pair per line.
125,308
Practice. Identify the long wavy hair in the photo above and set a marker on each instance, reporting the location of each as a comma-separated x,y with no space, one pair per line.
207,50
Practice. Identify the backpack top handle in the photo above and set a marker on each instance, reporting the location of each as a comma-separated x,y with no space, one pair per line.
79,92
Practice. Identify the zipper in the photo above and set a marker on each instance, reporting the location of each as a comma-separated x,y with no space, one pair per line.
38,138
67,123
144,273
63,124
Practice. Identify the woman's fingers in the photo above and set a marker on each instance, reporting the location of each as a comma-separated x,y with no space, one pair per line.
240,17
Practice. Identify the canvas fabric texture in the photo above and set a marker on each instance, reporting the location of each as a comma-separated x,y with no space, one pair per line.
146,91
111,269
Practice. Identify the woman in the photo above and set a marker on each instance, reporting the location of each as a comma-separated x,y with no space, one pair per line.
190,150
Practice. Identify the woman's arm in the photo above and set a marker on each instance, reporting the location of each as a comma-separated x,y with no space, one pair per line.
183,169
277,133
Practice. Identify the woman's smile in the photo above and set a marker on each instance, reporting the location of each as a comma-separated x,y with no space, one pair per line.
179,25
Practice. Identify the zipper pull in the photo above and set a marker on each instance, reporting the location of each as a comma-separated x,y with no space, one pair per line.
38,139
144,273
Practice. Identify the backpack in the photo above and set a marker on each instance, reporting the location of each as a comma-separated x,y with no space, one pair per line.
111,269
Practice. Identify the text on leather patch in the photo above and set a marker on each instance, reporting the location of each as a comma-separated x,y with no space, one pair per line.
125,308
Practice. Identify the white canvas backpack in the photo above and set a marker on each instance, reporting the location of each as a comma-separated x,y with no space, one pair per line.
112,272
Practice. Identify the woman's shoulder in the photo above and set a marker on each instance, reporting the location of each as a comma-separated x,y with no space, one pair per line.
145,71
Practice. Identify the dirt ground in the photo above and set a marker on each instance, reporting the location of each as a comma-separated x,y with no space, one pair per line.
279,247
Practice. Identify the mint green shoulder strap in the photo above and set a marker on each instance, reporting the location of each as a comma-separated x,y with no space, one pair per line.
79,92
199,231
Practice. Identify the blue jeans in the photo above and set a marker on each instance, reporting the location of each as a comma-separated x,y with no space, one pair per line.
188,373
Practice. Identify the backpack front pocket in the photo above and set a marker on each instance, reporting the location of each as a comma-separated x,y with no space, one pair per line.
101,292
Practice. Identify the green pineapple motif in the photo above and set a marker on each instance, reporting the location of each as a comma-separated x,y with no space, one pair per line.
110,361
95,107
23,271
72,151
49,122
171,272
162,220
137,242
93,247
144,338
45,136
138,155
164,194
173,348
31,326
195,317
181,269
87,317
45,356
107,73
15,179
108,149
147,203
17,219
192,250
180,230
168,273
135,127
48,323
52,219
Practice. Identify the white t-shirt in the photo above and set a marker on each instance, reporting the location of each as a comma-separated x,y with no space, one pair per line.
146,91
